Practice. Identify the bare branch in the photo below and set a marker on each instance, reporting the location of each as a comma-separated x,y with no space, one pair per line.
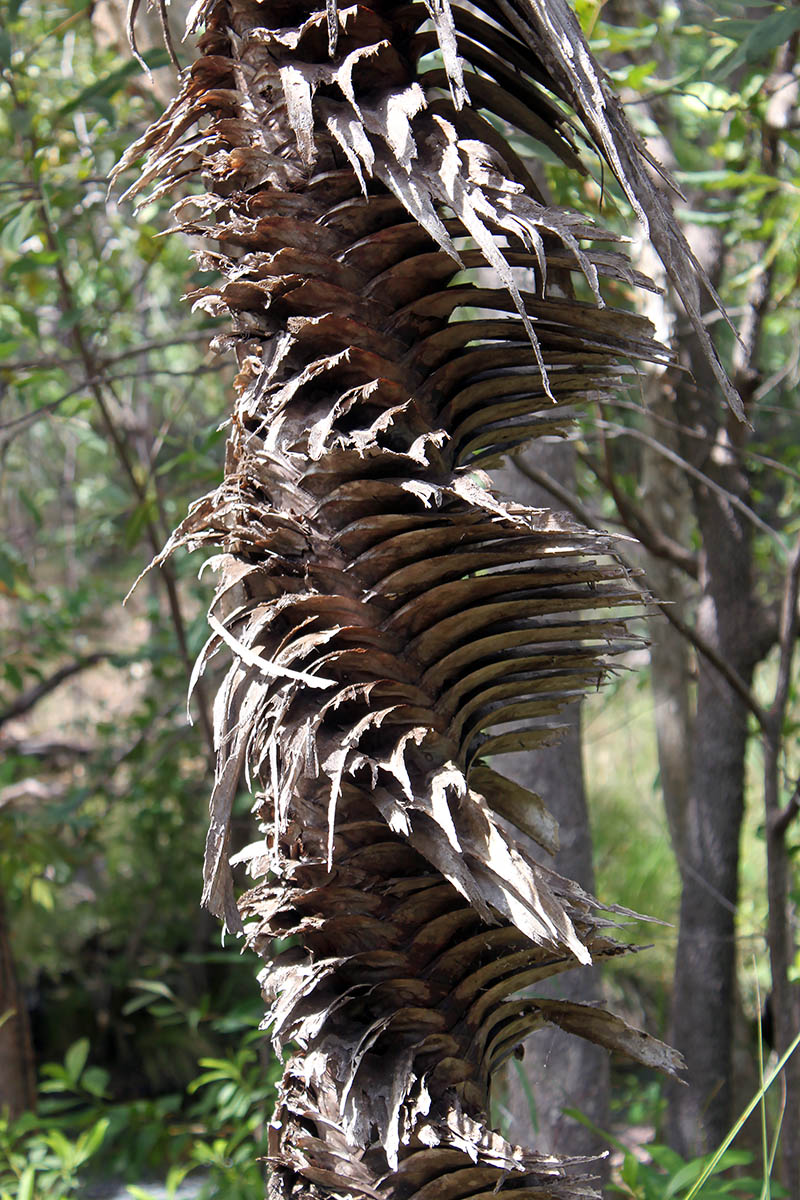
634,518
29,790
28,700
101,389
730,497
781,821
13,428
590,519
46,747
104,360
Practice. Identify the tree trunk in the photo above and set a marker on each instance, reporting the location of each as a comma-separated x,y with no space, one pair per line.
701,754
17,1071
785,994
704,992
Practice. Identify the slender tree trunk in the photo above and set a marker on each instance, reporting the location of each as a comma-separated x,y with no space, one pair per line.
701,755
781,932
705,969
785,995
704,986
17,1074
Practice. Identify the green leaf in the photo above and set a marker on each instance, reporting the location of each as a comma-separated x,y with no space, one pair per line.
221,1064
630,1171
205,1078
75,1059
31,264
132,1006
42,894
734,1130
176,1176
62,1146
7,572
12,676
683,1177
95,1081
18,228
26,1182
764,36
55,1071
91,1141
5,49
155,986
142,514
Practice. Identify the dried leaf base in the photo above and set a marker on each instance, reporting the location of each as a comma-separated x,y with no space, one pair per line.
395,626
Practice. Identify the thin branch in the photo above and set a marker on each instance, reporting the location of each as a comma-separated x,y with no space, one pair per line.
698,435
31,698
633,517
731,676
671,455
18,425
589,517
105,360
31,790
122,449
783,819
43,747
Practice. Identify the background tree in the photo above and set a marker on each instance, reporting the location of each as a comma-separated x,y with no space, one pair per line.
740,568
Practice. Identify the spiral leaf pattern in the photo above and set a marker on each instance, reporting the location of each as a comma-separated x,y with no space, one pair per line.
406,309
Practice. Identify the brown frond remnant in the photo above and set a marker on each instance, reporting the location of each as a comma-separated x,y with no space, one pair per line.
395,626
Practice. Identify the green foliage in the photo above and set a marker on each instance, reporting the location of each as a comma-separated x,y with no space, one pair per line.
668,1177
652,1171
216,1130
110,416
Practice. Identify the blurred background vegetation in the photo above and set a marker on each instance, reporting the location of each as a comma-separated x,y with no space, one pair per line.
129,1048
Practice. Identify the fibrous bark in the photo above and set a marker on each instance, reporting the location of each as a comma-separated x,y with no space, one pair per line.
396,627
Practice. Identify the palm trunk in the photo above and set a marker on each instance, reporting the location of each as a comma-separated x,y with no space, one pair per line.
729,619
394,625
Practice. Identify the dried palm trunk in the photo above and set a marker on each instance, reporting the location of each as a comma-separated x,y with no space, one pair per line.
396,627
